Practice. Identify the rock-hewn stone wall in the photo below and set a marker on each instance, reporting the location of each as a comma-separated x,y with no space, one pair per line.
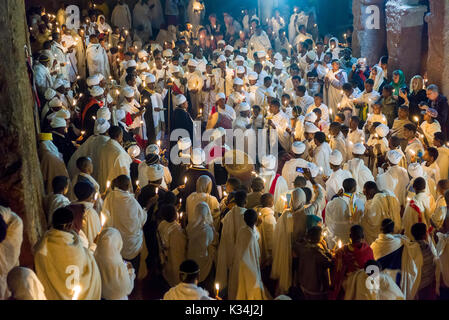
21,183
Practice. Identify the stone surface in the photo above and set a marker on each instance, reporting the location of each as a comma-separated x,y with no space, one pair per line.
21,185
368,43
404,25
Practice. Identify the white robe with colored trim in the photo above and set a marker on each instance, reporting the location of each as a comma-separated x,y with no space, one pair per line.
359,172
97,60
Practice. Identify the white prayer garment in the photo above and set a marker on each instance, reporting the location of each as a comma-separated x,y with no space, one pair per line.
9,248
359,172
127,216
97,60
117,279
187,291
202,194
25,285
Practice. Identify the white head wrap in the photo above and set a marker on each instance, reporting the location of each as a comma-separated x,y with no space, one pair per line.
198,156
415,170
311,117
394,156
96,91
336,158
382,130
155,172
298,147
128,92
269,162
134,151
104,113
101,126
219,96
180,99
152,149
58,122
358,149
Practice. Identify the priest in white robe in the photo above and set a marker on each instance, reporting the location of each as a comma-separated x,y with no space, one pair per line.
97,59
357,167
335,181
121,16
274,183
333,84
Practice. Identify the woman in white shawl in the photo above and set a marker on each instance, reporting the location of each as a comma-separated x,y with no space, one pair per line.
334,48
377,74
202,194
142,20
24,285
103,26
292,219
11,230
201,246
117,276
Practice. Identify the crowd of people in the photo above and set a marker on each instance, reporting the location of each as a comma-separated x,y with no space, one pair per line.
356,191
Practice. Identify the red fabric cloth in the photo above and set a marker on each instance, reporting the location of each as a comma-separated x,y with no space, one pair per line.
91,102
128,119
273,184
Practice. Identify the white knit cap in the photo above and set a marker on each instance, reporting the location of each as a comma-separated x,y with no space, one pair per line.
382,130
336,158
101,126
240,70
143,66
219,96
93,81
358,149
253,76
244,106
131,64
104,113
298,147
49,94
58,122
180,99
221,58
229,48
198,156
394,156
311,117
238,81
311,55
152,149
184,143
167,53
96,91
310,127
243,50
150,78
415,170
269,162
192,63
63,113
120,114
128,92
278,64
134,151
155,172
239,58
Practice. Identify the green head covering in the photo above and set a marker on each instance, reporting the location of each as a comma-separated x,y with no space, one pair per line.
401,83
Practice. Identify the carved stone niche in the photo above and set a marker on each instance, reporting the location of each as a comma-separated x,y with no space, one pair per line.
404,24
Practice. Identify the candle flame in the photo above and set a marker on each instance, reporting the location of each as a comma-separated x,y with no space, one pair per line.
76,292
340,244
108,184
103,219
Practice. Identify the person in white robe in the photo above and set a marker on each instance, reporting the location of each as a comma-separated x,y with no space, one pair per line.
42,75
274,183
188,288
258,42
142,21
337,140
321,154
24,284
11,227
338,175
357,167
114,160
172,245
290,169
59,52
266,231
202,194
65,267
126,215
201,240
117,276
443,154
245,278
121,16
97,58
378,207
442,249
333,84
57,199
280,122
156,17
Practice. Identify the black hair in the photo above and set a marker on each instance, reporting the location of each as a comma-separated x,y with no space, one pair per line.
82,162
59,183
433,152
114,132
320,136
419,231
168,212
419,184
387,226
240,198
349,185
250,217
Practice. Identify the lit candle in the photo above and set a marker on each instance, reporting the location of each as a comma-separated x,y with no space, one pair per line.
108,184
159,143
96,196
185,180
225,193
157,190
76,292
217,288
93,117
340,244
137,183
103,219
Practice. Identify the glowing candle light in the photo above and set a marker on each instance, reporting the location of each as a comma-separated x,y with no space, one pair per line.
108,184
103,219
340,244
83,133
217,288
93,117
185,180
96,196
157,190
76,292
158,143
137,183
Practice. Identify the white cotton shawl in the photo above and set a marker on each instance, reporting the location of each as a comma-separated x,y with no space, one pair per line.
200,234
116,279
443,260
24,285
412,262
187,291
203,190
58,252
386,244
10,247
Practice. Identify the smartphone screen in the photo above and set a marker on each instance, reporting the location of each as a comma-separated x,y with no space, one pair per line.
299,169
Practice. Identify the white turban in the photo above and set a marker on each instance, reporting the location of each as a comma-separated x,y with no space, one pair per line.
192,63
238,81
155,172
336,158
278,64
101,126
394,156
175,69
120,114
198,156
63,113
100,76
221,58
358,149
386,182
278,56
310,127
152,149
143,66
311,55
134,151
239,58
58,83
253,76
382,130
298,147
221,42
184,143
244,106
93,81
167,53
49,94
131,64
66,84
180,99
219,96
58,122
104,113
187,56
96,91
415,170
128,92
150,78
229,48
142,54
311,117
314,170
240,69
261,54
243,50
269,162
